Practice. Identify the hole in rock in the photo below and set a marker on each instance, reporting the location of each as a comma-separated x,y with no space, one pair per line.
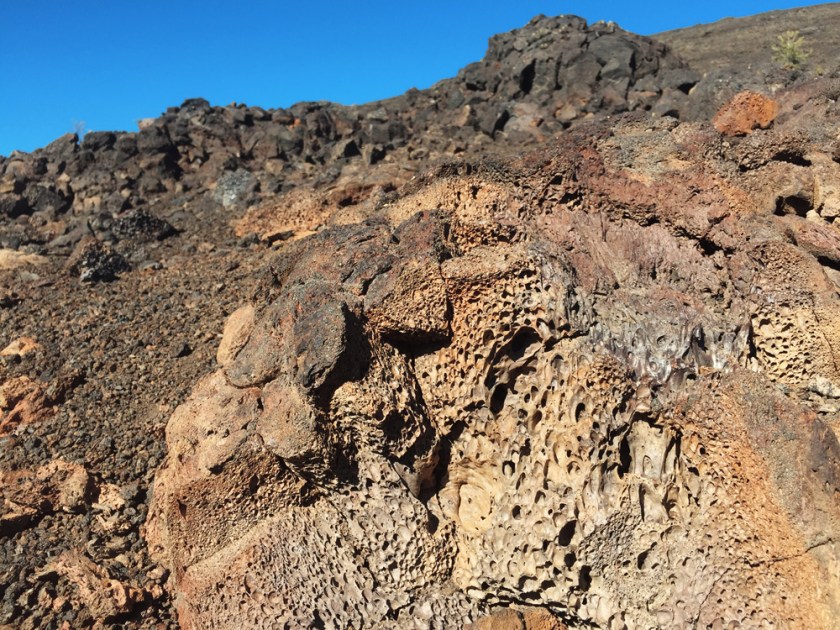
585,578
829,262
569,559
497,400
624,457
685,88
432,524
182,510
526,77
523,341
792,205
567,532
791,158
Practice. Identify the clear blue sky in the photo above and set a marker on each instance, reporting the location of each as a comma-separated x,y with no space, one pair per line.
109,63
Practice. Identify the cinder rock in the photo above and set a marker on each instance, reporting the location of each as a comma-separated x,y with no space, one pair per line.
94,261
744,113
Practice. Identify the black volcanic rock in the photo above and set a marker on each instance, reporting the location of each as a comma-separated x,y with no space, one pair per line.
533,82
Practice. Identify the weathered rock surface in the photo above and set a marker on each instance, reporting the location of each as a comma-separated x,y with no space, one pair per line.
633,329
600,380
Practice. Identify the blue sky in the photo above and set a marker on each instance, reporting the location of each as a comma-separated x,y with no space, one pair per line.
105,64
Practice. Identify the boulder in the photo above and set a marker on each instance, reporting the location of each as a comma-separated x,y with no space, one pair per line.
744,113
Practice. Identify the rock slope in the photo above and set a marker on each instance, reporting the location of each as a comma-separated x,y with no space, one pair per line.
196,161
591,386
600,380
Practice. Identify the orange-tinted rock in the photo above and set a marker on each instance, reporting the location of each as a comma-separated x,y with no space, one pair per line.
27,495
103,596
744,113
26,401
20,347
599,381
235,335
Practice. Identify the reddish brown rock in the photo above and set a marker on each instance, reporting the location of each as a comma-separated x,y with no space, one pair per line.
20,347
524,618
744,113
27,495
105,597
26,401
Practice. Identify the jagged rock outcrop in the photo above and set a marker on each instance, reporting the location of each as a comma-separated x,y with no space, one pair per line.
601,380
196,161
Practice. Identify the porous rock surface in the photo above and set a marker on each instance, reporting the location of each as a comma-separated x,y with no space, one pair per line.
169,230
601,380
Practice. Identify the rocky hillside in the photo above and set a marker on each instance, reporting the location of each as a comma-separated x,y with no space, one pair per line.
196,161
740,46
736,54
544,345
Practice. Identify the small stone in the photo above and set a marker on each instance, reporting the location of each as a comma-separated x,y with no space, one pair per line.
20,347
180,350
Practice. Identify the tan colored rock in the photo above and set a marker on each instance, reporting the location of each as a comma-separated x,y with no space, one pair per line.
22,401
25,401
524,618
104,597
744,113
11,259
826,186
27,495
20,347
296,214
599,382
236,333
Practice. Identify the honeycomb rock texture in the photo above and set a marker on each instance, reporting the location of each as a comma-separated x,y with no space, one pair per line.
599,382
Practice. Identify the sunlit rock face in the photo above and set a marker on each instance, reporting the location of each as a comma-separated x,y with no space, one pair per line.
601,380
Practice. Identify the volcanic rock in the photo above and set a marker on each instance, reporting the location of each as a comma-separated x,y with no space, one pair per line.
745,112
107,598
94,261
533,82
594,380
536,347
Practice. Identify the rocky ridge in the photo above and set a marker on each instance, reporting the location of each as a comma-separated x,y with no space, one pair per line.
196,161
594,386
